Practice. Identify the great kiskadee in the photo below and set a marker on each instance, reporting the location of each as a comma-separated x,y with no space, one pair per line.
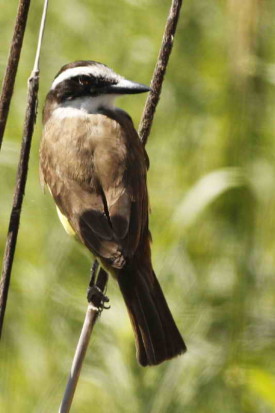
95,166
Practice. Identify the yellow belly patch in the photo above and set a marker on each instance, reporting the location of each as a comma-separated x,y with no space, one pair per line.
64,220
69,229
67,226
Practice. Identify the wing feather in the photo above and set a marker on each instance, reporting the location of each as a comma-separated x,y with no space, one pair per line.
98,181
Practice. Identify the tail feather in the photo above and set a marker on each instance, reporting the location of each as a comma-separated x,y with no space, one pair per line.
157,336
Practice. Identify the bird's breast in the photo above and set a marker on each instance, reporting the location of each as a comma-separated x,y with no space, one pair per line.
84,147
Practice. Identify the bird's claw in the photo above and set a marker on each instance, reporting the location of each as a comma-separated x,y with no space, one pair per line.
97,298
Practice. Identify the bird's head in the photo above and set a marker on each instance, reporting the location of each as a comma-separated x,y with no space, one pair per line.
91,79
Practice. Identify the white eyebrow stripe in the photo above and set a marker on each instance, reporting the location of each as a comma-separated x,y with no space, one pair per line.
83,70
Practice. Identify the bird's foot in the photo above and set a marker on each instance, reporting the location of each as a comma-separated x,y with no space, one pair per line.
97,297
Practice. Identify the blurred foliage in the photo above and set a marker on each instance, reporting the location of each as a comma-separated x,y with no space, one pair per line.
212,192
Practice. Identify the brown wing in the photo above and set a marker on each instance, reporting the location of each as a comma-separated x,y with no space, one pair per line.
95,167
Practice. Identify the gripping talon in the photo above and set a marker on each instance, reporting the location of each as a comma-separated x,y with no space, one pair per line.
97,298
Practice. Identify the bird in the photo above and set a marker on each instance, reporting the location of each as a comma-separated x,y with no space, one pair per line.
95,167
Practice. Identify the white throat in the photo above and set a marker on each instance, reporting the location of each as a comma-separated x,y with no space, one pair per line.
83,106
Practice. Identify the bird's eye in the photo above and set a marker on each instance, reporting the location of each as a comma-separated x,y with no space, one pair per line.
83,80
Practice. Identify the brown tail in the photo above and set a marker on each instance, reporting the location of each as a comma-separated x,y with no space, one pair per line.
157,336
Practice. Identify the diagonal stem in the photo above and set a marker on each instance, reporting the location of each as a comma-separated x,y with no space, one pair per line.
159,72
92,313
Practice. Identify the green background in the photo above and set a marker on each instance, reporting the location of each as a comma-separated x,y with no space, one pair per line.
212,195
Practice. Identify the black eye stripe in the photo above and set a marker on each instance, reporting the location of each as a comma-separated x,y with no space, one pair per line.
83,85
84,80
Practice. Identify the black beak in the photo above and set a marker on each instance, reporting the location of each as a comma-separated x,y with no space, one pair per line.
127,87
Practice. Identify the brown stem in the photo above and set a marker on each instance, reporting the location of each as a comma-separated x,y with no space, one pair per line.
13,59
159,72
22,172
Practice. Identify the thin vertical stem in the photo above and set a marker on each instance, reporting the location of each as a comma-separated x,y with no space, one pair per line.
22,172
12,65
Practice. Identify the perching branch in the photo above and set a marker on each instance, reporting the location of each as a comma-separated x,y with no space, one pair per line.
22,171
159,72
13,59
144,130
92,313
